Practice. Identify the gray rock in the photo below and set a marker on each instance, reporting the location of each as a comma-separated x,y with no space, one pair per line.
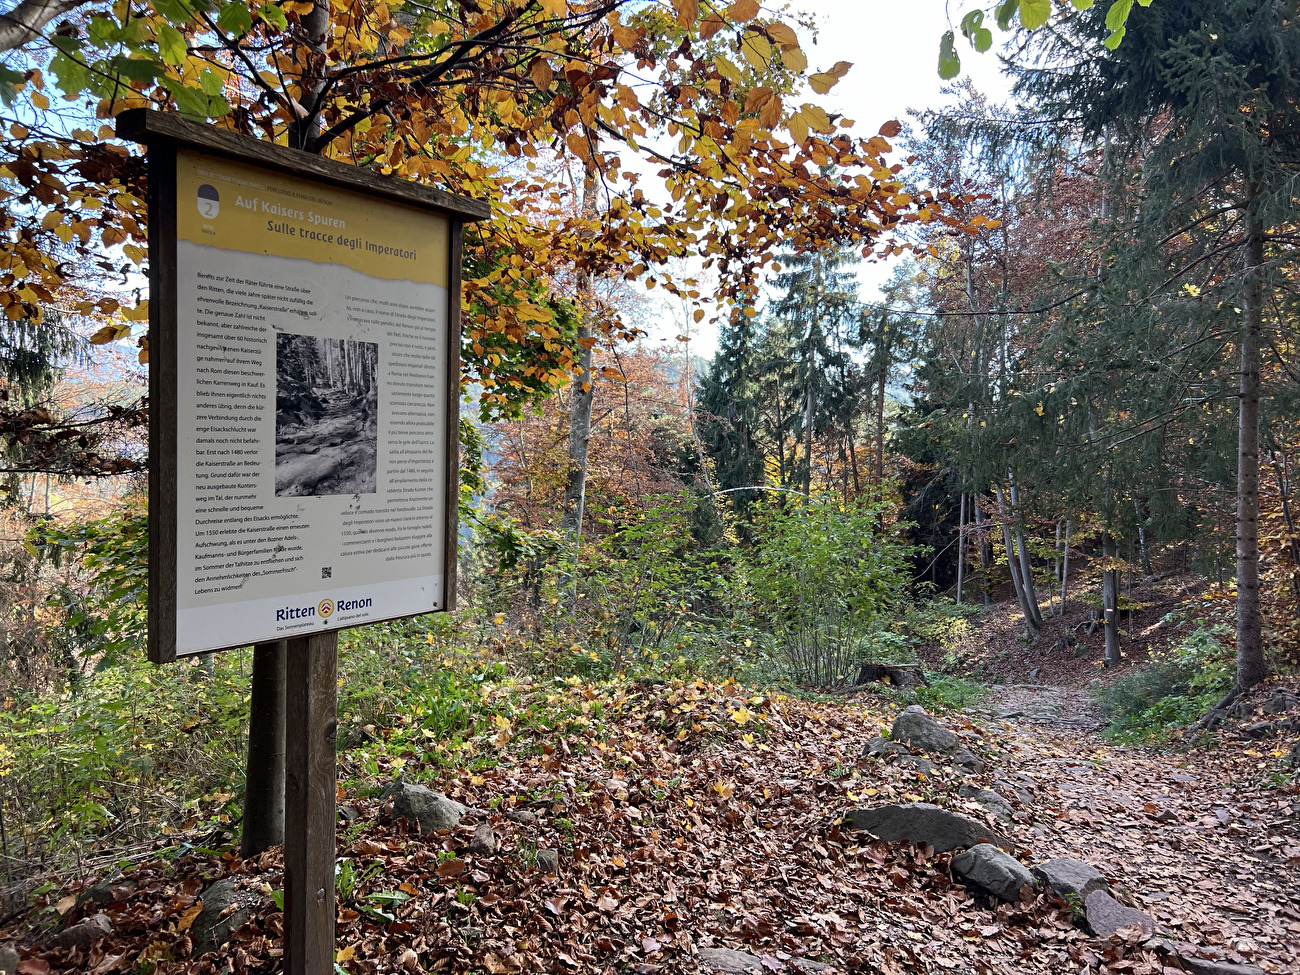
484,841
878,747
729,960
1293,757
226,908
1280,702
916,726
1071,880
106,891
1262,729
967,759
990,800
8,960
83,933
923,822
986,867
917,763
1204,966
743,963
548,861
424,807
1105,916
1018,787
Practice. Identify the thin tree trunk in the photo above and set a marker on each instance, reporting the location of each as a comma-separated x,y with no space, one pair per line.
1017,583
808,430
1026,564
1251,668
1056,574
1065,566
1110,600
985,558
584,391
961,546
880,437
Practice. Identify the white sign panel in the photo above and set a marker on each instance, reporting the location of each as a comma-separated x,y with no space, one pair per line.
312,397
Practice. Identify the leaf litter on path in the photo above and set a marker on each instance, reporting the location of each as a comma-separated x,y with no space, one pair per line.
679,826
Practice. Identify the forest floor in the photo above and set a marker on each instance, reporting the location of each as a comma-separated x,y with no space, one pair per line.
336,453
697,828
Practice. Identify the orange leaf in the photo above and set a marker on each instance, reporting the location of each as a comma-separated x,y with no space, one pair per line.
891,128
188,917
541,73
452,868
688,12
757,98
742,11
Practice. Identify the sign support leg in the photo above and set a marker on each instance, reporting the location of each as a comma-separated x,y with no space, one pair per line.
310,803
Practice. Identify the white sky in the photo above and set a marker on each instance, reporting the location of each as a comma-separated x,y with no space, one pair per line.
894,49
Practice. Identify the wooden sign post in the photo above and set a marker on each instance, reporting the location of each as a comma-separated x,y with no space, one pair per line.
304,382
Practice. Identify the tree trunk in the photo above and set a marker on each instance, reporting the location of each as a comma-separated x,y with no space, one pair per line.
264,776
1065,566
880,437
584,390
1017,583
985,557
1026,564
808,429
1250,644
961,546
1110,600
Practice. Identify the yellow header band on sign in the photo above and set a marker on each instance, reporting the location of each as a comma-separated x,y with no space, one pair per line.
236,207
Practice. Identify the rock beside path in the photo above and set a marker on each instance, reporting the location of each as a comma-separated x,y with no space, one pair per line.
83,933
1204,966
226,908
1105,916
734,962
424,807
987,868
919,729
923,822
1070,879
992,802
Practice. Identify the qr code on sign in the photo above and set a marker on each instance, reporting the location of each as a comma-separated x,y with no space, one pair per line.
327,572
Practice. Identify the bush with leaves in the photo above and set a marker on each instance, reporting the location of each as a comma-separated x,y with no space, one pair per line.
821,577
1175,690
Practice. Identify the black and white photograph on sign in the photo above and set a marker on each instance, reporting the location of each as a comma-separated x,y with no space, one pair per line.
326,416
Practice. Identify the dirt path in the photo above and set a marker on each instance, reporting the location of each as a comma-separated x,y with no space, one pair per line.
1200,841
1039,704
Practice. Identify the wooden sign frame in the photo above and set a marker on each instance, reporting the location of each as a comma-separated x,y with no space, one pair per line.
165,135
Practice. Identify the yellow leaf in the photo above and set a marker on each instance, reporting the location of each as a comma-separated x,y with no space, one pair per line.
728,69
795,59
40,101
756,50
346,954
699,314
798,128
825,80
816,118
187,919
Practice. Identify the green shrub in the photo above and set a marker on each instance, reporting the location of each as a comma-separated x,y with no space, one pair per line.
821,577
1174,691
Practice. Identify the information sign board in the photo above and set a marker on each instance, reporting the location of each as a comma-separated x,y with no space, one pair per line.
304,378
